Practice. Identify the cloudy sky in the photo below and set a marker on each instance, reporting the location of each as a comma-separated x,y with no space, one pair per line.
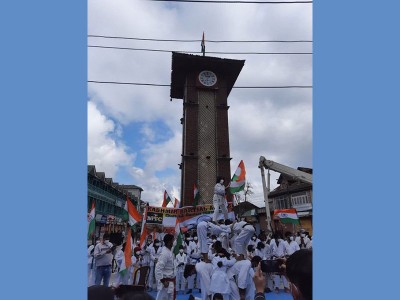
134,132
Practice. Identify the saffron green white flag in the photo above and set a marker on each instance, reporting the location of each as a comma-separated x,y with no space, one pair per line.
238,181
91,221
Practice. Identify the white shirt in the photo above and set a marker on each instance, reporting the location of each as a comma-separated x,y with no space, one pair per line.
291,247
219,189
254,243
100,253
196,254
154,254
279,250
238,226
217,230
306,240
240,269
90,255
219,278
119,257
260,253
180,259
165,267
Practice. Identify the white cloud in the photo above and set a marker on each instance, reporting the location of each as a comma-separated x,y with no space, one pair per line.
148,133
104,151
275,123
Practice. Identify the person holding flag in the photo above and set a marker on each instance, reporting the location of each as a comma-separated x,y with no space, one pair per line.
219,200
125,260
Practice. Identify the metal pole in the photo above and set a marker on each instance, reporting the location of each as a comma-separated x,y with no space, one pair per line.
266,192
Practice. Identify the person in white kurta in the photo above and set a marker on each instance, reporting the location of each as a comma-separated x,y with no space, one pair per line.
224,236
219,200
120,259
302,240
239,271
259,251
219,278
279,251
165,271
180,263
193,257
244,233
291,246
254,241
202,235
309,245
155,251
204,270
91,265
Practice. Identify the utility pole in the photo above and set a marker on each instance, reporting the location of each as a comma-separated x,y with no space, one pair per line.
266,191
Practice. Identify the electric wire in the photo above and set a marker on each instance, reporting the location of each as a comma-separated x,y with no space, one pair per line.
199,40
197,52
168,85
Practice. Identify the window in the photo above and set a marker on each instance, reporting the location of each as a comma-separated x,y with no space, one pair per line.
281,202
300,199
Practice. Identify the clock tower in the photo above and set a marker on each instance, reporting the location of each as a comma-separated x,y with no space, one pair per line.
204,84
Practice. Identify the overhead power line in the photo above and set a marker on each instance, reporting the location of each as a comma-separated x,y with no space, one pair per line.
210,52
196,41
235,87
234,2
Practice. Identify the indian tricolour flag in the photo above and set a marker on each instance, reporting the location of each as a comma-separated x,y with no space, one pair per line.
287,216
91,221
167,199
133,214
239,179
127,261
178,236
143,233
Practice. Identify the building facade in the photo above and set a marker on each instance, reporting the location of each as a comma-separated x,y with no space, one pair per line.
110,198
293,194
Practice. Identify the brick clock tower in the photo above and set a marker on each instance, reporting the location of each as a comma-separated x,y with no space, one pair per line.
204,84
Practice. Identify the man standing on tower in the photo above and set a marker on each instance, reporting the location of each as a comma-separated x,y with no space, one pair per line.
219,200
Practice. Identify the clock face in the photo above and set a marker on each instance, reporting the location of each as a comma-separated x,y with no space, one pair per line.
207,78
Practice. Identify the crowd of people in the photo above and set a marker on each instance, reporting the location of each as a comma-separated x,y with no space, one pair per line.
223,259
218,259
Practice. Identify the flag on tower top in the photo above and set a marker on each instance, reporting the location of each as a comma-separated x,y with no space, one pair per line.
203,46
239,179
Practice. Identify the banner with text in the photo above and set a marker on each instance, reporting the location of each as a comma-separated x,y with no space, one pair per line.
188,216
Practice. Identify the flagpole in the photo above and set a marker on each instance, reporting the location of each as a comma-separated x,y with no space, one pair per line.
266,192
